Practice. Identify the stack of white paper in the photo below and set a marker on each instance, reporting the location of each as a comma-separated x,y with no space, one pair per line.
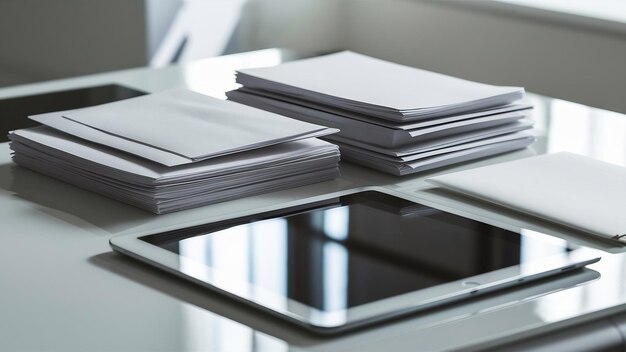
176,150
386,111
569,189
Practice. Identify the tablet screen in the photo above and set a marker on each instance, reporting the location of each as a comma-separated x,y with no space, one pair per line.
361,248
15,111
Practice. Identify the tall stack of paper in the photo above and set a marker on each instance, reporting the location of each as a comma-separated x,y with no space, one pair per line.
392,117
176,150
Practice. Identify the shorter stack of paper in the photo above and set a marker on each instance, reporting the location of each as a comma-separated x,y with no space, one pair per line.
393,118
176,150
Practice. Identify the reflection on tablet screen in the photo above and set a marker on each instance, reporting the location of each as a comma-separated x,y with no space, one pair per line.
366,247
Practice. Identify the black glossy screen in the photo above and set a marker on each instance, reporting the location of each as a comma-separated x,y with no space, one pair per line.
14,112
362,248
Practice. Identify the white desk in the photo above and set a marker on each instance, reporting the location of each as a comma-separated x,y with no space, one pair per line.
64,290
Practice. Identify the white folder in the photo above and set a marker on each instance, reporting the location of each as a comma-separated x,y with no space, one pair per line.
576,191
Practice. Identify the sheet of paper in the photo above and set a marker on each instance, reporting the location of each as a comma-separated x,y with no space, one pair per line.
565,188
193,125
244,93
372,133
58,122
443,142
437,161
105,158
350,77
432,152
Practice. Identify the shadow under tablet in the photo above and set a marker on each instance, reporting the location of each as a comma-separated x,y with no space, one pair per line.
187,292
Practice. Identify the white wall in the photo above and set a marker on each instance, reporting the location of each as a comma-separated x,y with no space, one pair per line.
555,59
316,25
159,15
42,40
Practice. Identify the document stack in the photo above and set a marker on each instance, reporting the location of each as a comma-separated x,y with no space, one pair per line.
175,150
394,118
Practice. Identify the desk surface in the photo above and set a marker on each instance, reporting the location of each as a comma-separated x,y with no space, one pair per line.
63,289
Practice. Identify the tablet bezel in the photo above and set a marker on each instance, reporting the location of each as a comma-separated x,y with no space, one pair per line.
341,320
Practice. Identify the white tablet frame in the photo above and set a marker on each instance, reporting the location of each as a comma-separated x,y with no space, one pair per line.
341,320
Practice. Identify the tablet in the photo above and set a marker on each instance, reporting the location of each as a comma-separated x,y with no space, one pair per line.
15,111
349,260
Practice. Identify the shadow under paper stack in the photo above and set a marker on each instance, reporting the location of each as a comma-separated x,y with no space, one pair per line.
393,118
